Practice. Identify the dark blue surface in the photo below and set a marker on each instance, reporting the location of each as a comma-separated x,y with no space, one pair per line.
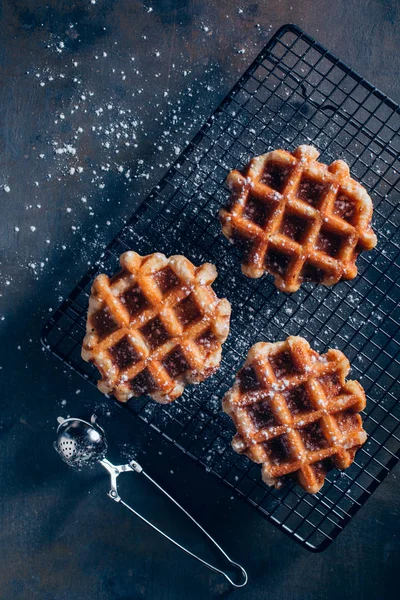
61,537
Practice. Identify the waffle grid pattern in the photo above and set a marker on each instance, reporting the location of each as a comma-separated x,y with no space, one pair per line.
298,219
295,92
295,413
155,326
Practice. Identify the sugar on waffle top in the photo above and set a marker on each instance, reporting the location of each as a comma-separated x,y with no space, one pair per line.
298,219
155,326
295,413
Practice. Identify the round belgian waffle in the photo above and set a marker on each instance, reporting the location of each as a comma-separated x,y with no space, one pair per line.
295,413
155,326
298,219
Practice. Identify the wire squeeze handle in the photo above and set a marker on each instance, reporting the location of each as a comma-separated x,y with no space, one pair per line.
114,471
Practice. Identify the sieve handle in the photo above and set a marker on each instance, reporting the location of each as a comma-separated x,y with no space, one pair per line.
115,471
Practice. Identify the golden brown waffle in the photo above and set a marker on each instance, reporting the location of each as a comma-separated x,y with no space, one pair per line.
155,326
295,413
298,219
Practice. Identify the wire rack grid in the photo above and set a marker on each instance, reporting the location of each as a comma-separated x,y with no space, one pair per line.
294,92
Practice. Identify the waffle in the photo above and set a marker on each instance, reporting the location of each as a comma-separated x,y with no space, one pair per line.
155,326
298,219
295,413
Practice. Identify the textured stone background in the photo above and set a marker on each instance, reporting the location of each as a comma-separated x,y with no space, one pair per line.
96,98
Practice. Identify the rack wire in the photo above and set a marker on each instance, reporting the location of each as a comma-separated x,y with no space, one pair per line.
294,92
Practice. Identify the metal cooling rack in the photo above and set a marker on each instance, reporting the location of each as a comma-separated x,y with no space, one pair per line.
295,92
